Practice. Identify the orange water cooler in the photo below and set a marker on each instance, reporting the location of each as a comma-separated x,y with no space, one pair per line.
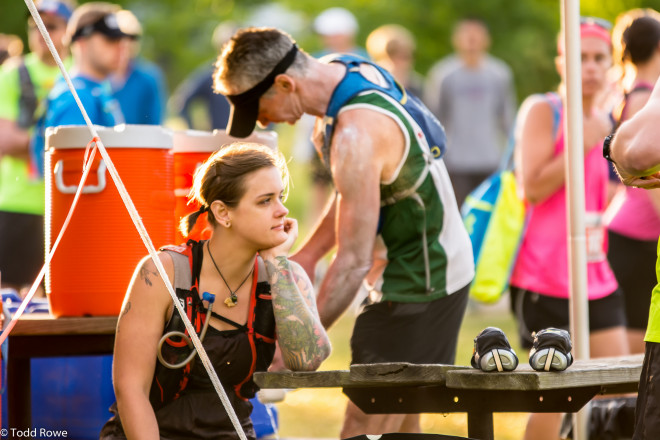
191,148
93,264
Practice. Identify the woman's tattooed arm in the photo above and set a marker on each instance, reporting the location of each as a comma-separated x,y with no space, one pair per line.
302,339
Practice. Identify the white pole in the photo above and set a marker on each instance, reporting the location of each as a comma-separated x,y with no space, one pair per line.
575,204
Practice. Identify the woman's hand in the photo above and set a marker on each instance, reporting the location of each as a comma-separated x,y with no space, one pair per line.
291,230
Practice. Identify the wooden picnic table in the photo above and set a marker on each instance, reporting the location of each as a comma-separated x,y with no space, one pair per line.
42,335
408,388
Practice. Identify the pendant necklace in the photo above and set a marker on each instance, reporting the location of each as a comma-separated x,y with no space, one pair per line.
233,299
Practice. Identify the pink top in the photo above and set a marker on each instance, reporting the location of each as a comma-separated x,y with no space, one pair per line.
542,263
633,215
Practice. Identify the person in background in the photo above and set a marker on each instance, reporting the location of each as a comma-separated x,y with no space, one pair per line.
259,296
392,192
197,91
95,40
472,94
393,47
138,85
539,289
338,29
10,46
24,83
633,216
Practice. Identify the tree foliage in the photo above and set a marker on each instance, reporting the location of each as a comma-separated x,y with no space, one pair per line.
178,32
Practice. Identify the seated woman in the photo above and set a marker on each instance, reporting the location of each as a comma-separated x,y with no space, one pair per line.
162,388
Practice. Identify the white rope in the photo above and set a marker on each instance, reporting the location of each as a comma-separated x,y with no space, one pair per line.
137,221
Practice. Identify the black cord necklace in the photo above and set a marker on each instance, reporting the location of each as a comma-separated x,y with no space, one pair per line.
233,299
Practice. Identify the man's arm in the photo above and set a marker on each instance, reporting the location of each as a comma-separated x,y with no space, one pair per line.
14,140
365,145
635,148
319,242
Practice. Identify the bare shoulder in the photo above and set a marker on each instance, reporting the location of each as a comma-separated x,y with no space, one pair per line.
147,271
367,138
636,101
536,116
536,106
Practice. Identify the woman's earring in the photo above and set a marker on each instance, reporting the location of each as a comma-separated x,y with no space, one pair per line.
228,224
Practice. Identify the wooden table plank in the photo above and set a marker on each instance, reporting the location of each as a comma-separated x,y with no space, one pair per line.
592,372
401,373
34,324
302,379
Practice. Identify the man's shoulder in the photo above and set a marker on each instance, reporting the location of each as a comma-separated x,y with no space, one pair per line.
63,108
498,66
148,70
446,66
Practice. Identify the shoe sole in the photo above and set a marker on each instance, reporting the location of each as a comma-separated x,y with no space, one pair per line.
498,360
549,359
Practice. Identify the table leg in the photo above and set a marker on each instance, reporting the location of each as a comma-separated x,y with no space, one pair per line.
19,405
480,425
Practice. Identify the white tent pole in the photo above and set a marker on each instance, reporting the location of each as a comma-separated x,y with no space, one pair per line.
575,199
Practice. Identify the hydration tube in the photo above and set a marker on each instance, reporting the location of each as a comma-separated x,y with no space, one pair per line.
137,221
205,297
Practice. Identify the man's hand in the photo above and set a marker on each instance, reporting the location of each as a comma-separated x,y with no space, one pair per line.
647,182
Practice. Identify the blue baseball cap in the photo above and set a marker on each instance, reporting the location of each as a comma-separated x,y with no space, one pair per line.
55,7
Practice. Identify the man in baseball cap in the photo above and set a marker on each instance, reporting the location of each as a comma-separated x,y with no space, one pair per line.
95,18
94,36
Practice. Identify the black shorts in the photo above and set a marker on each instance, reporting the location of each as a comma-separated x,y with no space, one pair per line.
535,312
21,248
647,412
419,333
633,263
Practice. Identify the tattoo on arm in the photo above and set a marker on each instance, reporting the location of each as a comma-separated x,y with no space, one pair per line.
126,309
301,336
146,274
123,313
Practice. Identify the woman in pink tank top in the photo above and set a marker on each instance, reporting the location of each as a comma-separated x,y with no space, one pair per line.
539,283
633,217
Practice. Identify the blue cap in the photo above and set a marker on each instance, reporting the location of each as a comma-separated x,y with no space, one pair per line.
55,7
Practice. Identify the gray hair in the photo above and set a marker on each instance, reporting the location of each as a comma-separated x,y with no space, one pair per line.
250,55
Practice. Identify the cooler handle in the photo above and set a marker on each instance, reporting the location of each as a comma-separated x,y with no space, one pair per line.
87,189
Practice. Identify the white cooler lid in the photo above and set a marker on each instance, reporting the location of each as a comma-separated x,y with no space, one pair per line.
189,141
119,136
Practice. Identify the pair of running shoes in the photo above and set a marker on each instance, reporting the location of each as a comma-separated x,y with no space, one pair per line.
551,351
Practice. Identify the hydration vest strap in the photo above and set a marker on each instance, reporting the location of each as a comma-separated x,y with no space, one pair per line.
28,99
250,325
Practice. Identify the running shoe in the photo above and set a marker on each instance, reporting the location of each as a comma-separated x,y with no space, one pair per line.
492,351
551,350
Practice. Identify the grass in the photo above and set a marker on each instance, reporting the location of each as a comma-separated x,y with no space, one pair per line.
318,412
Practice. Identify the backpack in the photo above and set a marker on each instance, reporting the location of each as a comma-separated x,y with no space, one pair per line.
167,383
495,217
354,83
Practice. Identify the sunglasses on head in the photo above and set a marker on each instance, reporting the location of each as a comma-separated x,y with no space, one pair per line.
600,22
